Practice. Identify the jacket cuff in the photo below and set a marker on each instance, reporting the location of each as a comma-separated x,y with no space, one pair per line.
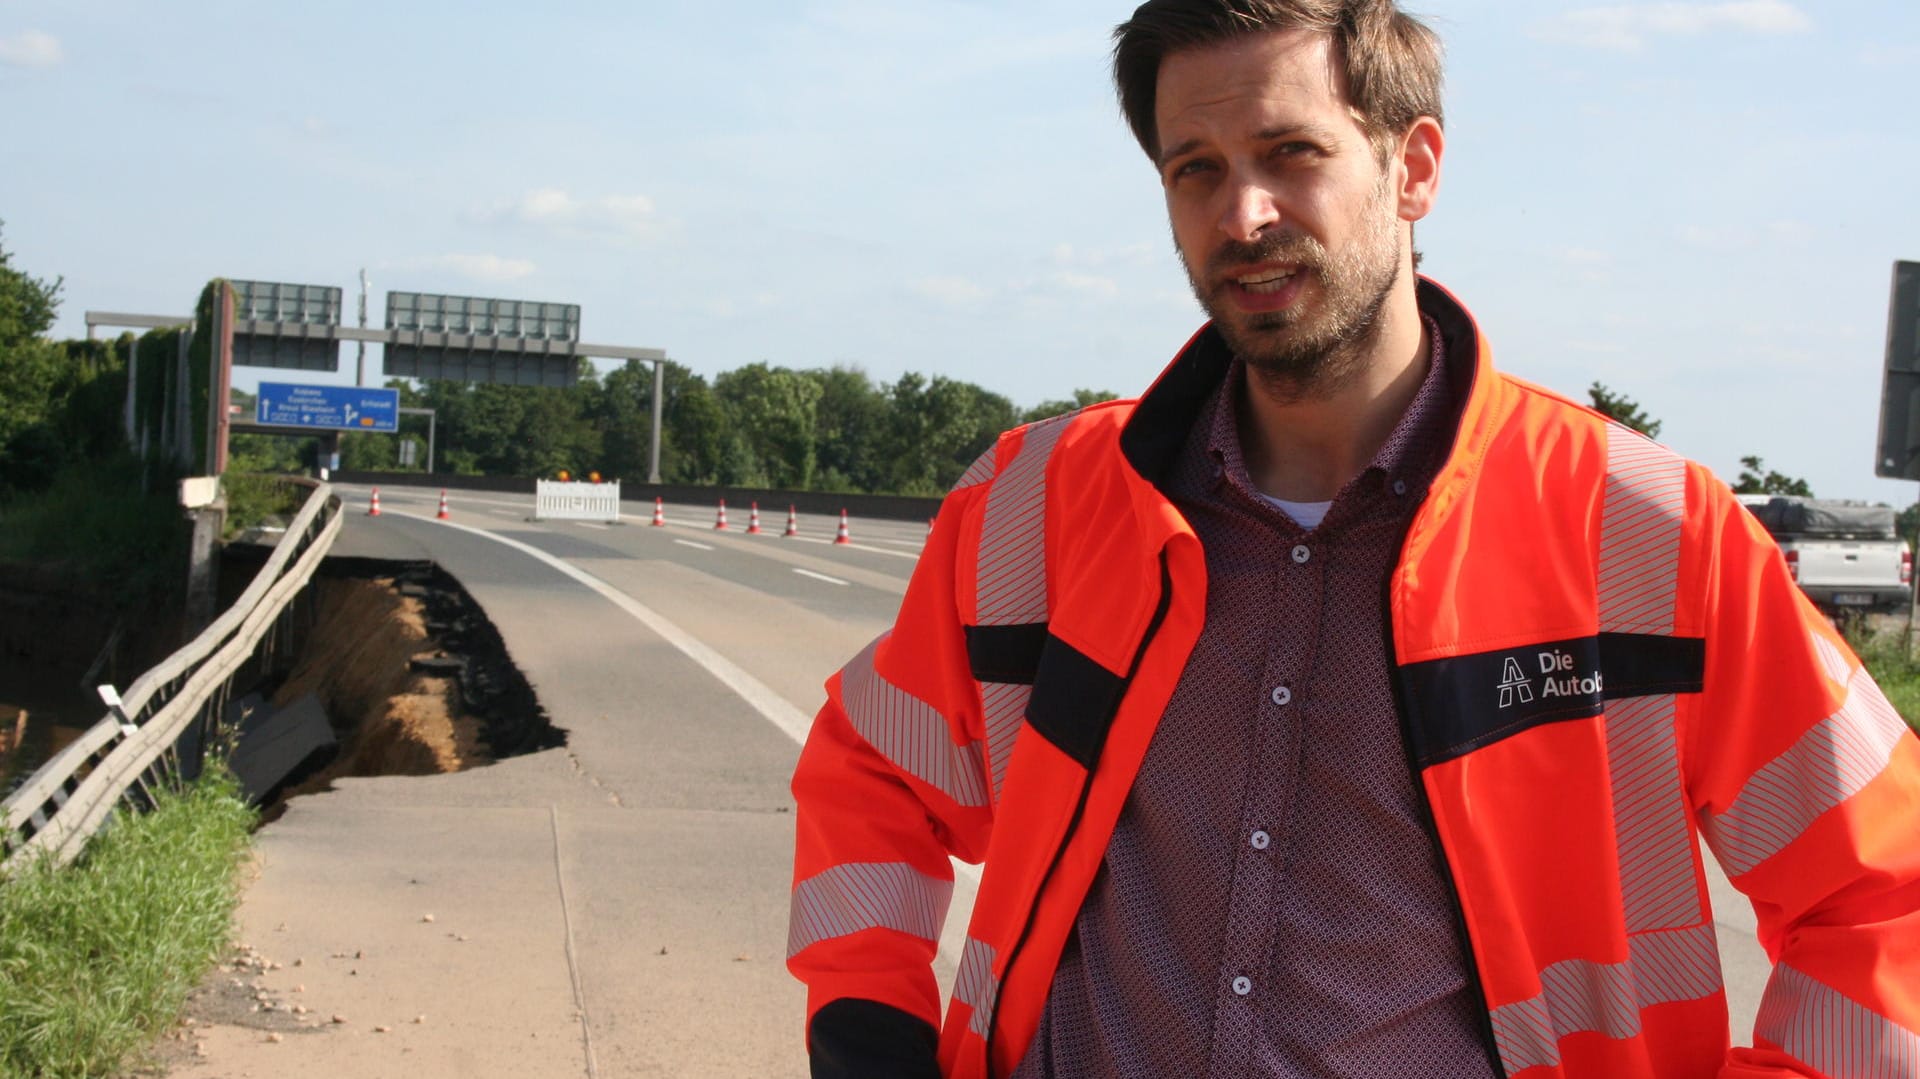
863,1039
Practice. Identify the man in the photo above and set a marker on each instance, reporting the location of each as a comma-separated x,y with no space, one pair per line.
1344,707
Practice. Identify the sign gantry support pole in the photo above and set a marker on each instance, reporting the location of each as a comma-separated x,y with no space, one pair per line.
659,404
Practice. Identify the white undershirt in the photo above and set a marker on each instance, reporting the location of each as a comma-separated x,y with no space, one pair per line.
1307,515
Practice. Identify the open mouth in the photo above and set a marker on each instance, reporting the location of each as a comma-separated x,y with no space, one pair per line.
1262,282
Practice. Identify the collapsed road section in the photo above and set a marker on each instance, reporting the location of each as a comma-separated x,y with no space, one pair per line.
393,670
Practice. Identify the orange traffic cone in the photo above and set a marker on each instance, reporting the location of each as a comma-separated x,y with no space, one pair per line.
659,513
443,514
842,537
793,524
753,518
720,521
373,507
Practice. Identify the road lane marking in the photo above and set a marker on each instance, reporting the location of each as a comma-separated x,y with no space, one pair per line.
819,576
590,524
504,513
695,546
772,707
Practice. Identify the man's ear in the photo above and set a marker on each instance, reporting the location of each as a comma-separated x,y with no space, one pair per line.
1418,158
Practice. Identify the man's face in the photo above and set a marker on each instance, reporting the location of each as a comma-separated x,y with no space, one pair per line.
1284,215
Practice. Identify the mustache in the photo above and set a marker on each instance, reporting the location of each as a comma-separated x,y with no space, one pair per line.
1281,246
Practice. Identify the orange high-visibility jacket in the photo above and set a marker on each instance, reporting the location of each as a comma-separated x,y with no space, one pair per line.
1599,656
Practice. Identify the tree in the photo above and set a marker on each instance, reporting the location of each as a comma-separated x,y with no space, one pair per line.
1756,479
939,427
850,431
28,305
1081,399
772,411
1622,409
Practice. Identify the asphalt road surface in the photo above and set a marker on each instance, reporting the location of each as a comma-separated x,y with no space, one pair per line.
617,907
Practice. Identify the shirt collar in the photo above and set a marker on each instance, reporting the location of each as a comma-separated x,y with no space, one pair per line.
1404,463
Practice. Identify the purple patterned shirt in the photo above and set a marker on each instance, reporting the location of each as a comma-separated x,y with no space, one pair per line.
1271,902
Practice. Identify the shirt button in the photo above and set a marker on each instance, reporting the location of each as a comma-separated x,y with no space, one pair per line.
1260,840
1282,696
1301,554
1242,985
1399,487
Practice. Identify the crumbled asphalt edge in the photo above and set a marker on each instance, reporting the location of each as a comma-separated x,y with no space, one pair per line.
492,689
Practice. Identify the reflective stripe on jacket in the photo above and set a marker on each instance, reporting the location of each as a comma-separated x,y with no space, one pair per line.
1599,656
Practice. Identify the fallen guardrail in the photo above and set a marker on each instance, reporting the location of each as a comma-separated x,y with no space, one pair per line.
63,804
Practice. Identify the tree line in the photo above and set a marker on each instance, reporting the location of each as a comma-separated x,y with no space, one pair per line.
822,429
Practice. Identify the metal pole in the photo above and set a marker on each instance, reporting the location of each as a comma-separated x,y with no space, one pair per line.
360,369
659,403
432,417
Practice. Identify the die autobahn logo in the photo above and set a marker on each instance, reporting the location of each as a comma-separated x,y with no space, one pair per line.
1557,677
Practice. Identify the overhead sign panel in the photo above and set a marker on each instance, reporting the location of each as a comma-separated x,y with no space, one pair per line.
473,339
478,317
328,408
276,301
277,324
1898,455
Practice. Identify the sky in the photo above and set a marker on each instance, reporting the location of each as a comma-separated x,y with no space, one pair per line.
1698,204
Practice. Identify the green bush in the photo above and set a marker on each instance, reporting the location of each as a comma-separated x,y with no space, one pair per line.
251,499
97,518
98,957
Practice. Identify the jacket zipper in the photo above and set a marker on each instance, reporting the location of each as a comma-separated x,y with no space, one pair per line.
1452,887
1080,806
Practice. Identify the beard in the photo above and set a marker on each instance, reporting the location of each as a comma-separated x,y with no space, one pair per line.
1307,351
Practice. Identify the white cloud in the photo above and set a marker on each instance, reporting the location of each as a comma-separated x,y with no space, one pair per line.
1628,27
485,268
1085,284
1586,256
30,48
619,216
952,291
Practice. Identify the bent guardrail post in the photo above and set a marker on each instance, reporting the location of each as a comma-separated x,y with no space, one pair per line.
60,807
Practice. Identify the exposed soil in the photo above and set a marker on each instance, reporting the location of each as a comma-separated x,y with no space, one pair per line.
413,677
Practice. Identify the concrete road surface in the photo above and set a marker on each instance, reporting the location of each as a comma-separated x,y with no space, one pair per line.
617,906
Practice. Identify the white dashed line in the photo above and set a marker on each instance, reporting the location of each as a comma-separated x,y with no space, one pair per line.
590,524
819,576
695,546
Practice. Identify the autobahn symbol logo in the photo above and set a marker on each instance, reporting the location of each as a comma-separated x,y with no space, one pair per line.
1514,681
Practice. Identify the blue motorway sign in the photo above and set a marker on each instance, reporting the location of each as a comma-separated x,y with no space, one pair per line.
329,408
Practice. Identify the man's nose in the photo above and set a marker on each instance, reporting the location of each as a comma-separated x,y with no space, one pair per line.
1250,209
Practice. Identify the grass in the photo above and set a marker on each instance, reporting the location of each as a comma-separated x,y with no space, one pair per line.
98,957
1893,666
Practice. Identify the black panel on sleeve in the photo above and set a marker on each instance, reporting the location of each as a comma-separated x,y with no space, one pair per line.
864,1039
1074,701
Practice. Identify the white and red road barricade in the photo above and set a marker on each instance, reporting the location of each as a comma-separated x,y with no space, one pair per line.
555,500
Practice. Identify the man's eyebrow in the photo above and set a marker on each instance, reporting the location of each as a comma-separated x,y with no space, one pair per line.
1178,150
1271,134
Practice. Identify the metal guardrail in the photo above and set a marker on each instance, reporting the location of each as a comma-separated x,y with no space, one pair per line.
63,804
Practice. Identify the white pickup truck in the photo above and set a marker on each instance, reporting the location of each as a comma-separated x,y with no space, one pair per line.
1845,555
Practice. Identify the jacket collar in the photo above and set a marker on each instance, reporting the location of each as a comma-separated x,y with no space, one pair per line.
1154,434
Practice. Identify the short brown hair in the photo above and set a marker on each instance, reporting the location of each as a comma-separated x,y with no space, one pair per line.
1392,59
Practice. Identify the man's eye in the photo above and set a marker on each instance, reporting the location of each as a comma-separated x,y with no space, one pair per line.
1293,149
1190,168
